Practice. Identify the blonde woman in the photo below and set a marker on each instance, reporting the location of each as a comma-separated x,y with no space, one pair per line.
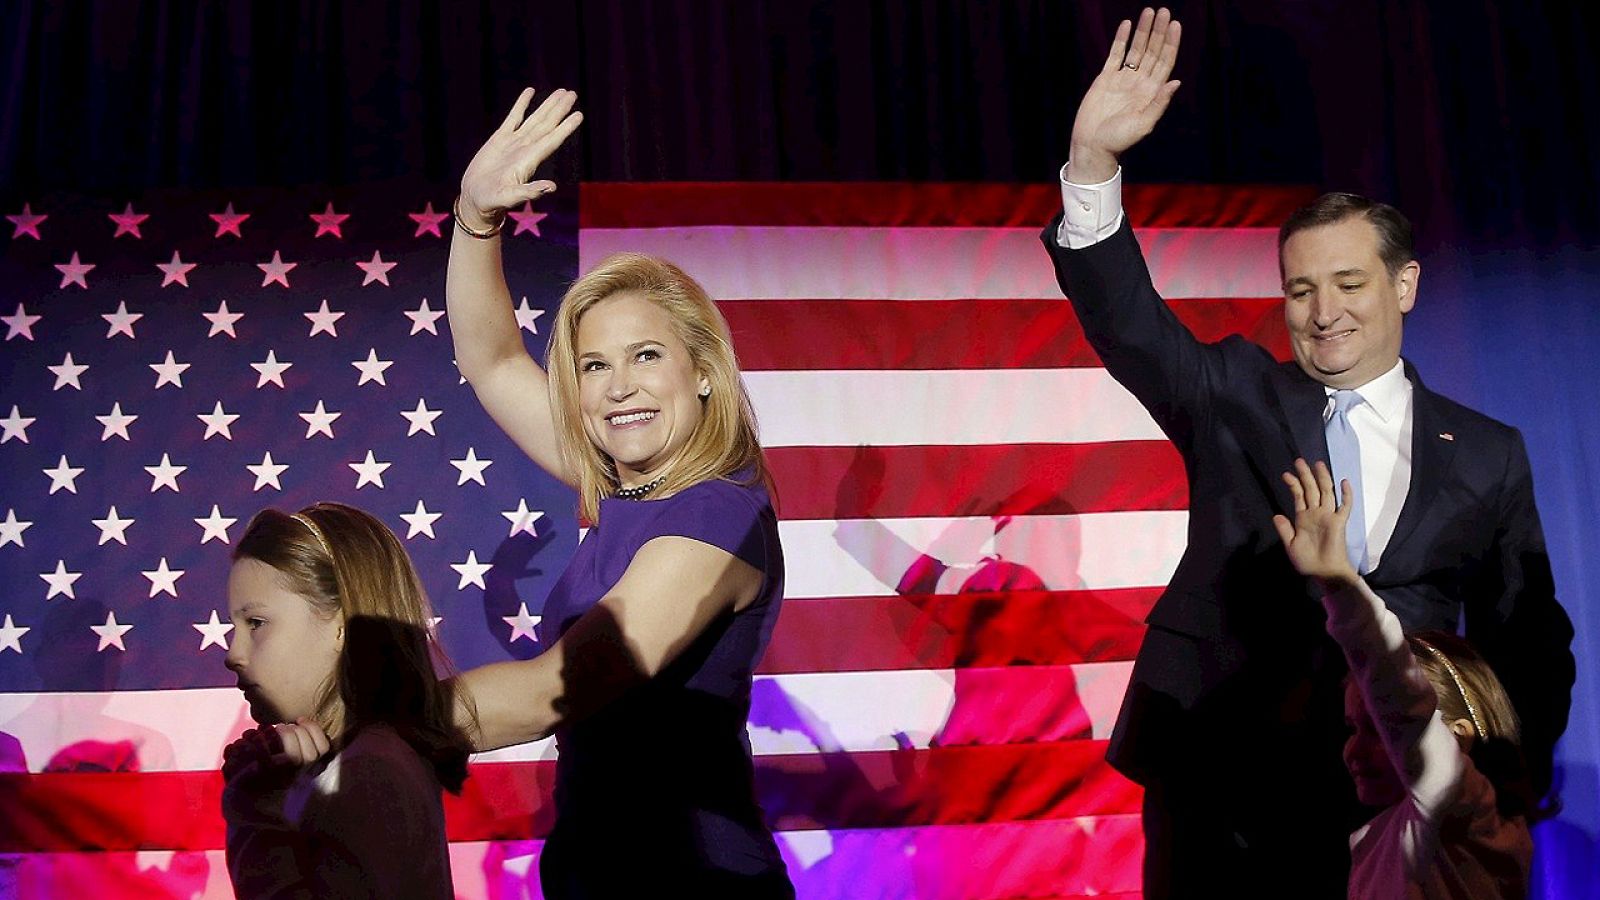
331,651
668,604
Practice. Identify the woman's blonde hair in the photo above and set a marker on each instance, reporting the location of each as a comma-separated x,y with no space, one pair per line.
345,562
725,441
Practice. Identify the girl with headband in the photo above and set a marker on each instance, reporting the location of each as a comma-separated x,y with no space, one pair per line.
1434,739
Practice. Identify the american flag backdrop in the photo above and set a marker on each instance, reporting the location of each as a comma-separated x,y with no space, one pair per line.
975,516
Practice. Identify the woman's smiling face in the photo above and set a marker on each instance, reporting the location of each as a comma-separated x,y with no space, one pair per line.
638,389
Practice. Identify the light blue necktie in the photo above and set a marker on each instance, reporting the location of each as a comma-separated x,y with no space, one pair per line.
1344,457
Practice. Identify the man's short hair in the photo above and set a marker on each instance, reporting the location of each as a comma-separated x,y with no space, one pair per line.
1394,229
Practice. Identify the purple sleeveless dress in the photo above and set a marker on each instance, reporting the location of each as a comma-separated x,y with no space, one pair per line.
656,790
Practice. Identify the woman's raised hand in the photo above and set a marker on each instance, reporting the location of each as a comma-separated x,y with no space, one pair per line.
500,175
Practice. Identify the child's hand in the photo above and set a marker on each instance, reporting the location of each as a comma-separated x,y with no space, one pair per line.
300,743
253,748
285,746
1315,540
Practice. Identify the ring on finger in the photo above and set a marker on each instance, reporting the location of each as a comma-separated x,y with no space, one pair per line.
1133,66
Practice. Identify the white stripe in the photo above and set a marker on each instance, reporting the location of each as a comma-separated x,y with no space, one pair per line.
970,406
849,711
756,262
803,713
178,730
1087,551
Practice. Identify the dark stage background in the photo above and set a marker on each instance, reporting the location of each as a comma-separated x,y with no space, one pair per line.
1477,118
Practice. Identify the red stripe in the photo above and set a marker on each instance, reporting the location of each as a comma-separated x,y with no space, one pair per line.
802,335
1012,628
920,204
977,480
945,786
64,811
181,810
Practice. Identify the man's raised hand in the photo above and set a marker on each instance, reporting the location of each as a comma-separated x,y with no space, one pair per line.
1127,98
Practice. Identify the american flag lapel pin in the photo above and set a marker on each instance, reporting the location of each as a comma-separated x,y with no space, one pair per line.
1445,435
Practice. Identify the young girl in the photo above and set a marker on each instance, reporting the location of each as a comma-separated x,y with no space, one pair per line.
1434,737
331,651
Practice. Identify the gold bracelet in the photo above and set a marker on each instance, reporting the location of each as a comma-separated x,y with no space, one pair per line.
480,235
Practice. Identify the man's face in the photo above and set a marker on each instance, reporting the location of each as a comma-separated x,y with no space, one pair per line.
1342,305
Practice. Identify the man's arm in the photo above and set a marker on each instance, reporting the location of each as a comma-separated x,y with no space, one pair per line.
1121,106
1098,262
1518,625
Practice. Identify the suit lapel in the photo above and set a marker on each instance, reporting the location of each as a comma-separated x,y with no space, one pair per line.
1433,448
1301,401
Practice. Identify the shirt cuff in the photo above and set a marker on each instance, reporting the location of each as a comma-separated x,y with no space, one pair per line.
1093,211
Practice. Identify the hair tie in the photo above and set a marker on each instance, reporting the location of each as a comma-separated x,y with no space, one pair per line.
1461,688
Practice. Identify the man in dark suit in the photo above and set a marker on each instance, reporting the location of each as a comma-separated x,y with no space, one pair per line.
1232,720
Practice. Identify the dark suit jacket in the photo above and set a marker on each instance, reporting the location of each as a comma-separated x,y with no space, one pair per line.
1236,646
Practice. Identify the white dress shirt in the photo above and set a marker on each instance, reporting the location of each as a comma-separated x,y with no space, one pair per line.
1093,212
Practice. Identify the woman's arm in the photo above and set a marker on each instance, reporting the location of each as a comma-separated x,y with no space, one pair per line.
674,588
488,343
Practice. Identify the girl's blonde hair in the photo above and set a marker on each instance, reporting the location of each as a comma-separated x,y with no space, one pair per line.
724,442
345,562
1468,689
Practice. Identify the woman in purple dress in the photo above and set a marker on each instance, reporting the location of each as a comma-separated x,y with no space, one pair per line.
670,600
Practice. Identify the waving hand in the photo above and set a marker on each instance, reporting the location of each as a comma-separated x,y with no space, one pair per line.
501,175
1127,98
